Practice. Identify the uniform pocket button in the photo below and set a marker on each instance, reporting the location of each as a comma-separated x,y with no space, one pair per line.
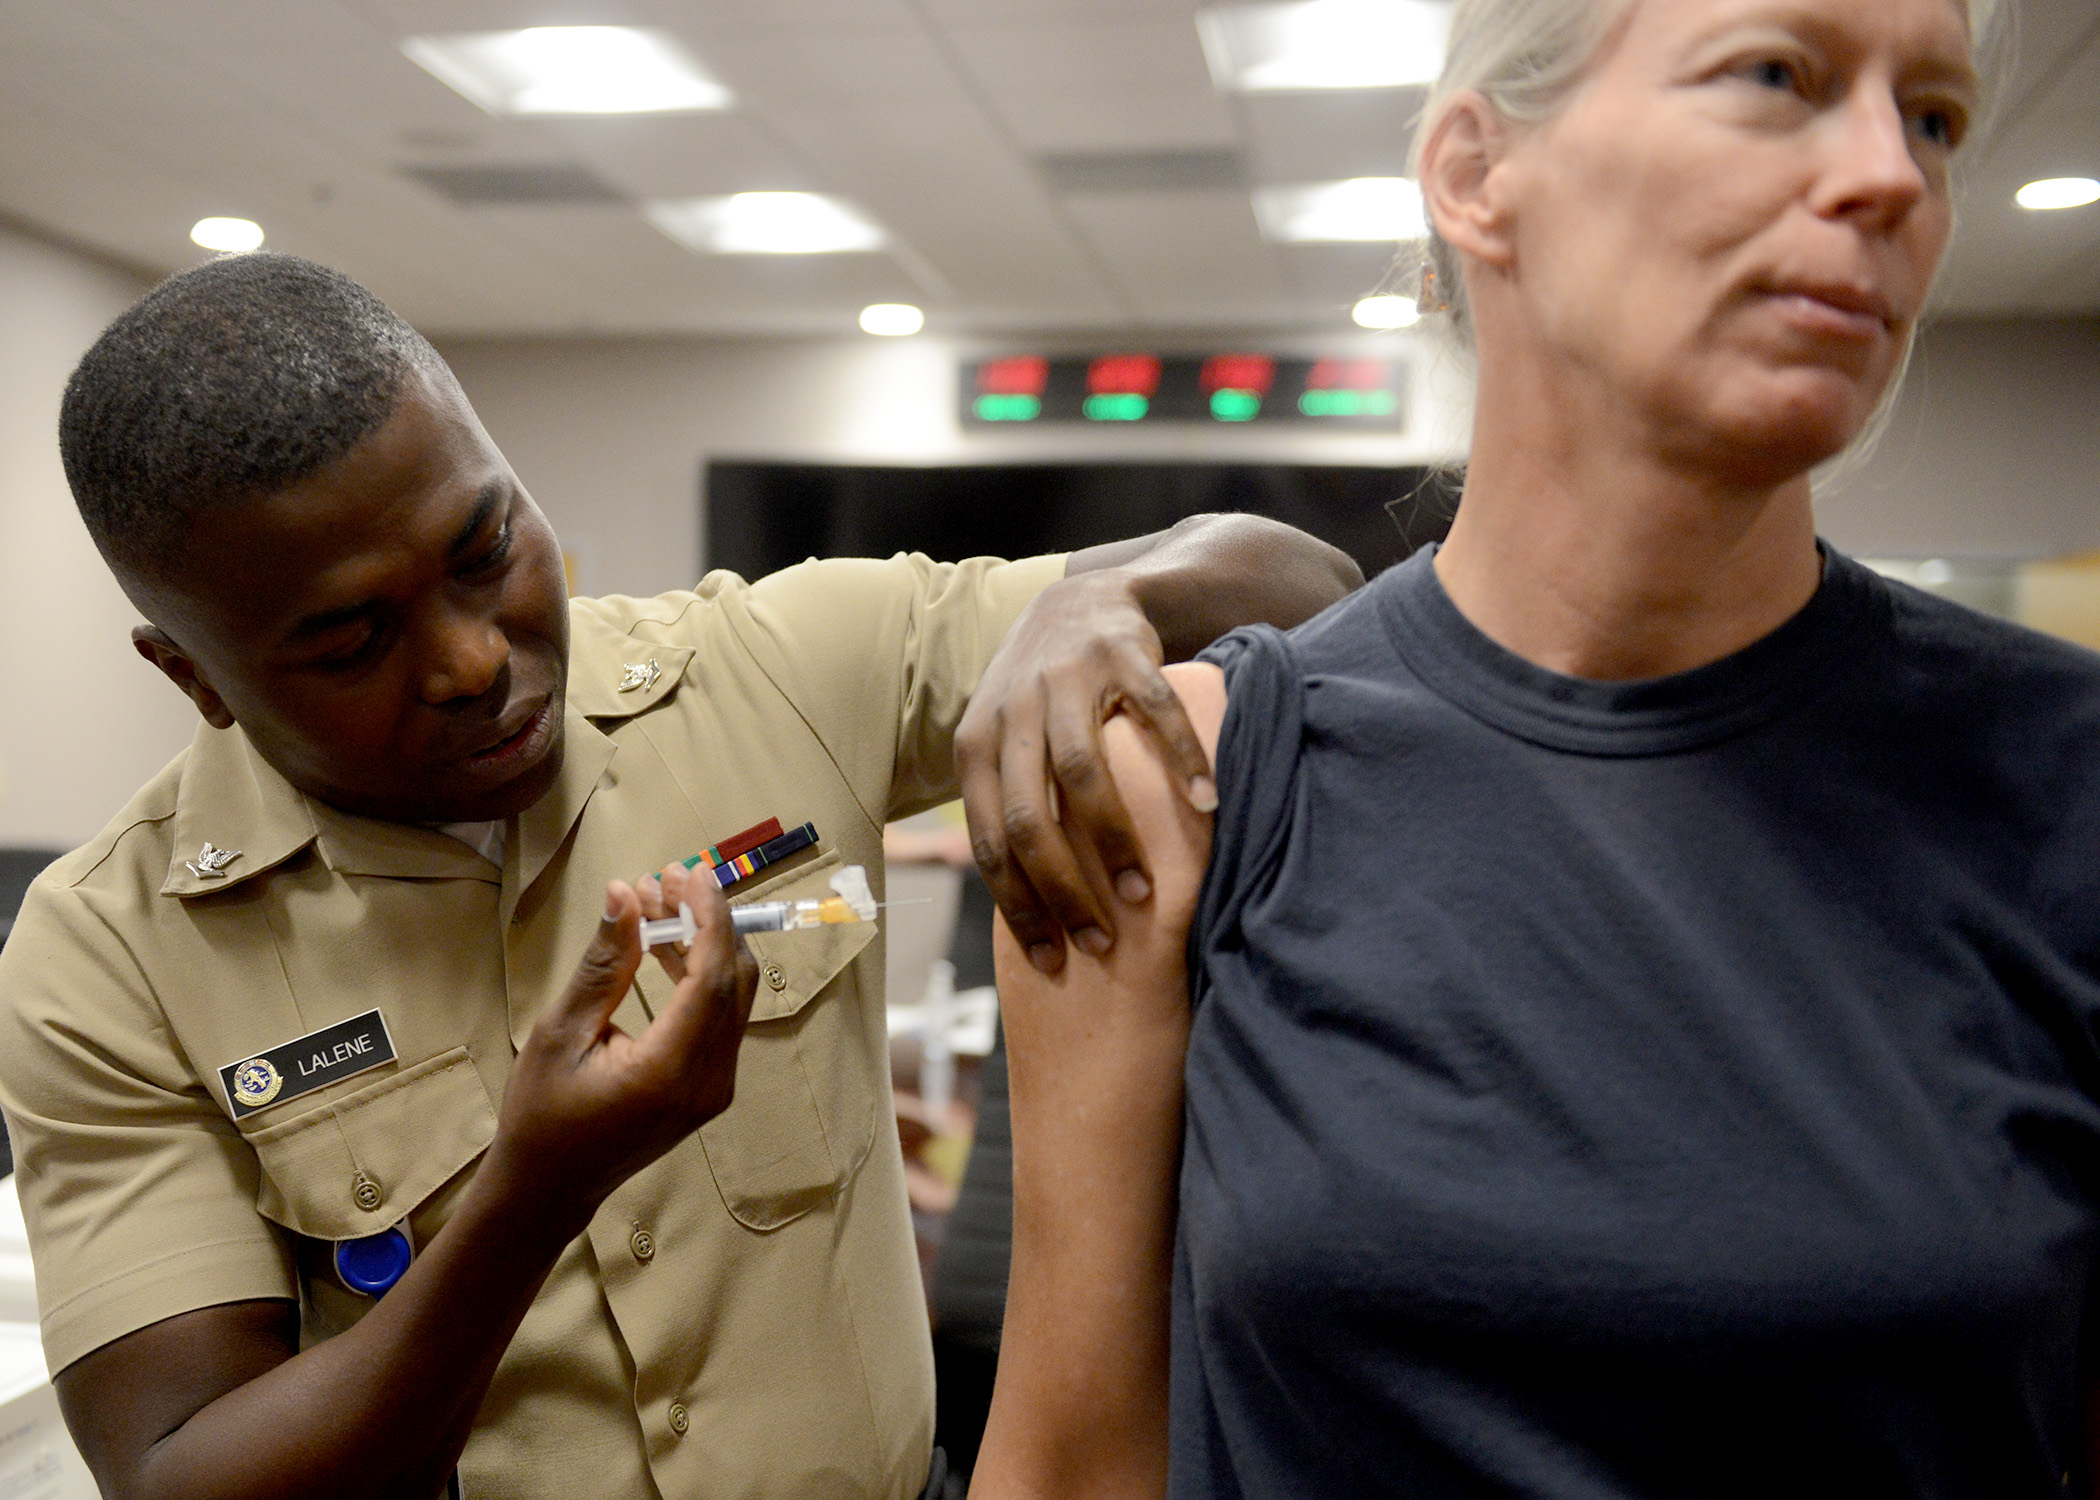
679,1420
775,977
364,1192
642,1243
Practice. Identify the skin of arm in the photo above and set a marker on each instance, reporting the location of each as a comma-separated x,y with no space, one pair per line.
1095,1053
220,1403
1087,649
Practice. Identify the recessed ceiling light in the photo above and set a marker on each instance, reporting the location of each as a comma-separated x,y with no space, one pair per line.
569,70
1324,44
891,319
233,236
1359,208
2059,192
1386,312
765,224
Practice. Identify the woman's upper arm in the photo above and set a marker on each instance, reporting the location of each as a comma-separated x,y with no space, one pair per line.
1201,685
1095,1055
1174,836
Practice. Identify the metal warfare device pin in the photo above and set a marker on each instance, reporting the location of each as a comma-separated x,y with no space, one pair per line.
210,863
310,1062
640,674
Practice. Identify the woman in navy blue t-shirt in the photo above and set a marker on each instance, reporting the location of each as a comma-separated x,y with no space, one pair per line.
1631,1029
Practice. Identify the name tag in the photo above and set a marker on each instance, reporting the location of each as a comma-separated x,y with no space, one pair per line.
314,1061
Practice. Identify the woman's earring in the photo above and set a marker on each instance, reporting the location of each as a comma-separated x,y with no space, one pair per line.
1432,298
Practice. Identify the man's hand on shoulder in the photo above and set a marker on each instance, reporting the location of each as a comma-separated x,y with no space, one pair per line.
1090,647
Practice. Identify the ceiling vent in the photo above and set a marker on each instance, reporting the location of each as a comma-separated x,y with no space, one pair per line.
1143,172
517,185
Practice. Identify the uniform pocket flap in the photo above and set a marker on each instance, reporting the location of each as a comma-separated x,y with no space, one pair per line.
768,1150
794,966
366,1160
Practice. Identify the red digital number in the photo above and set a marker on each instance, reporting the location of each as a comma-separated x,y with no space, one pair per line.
1348,375
1238,372
1123,375
1019,375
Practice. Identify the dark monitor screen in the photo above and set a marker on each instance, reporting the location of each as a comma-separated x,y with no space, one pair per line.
765,516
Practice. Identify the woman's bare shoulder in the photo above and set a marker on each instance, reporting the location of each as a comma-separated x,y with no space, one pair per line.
1201,685
1174,834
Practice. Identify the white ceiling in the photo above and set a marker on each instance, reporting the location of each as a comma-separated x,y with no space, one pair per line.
122,122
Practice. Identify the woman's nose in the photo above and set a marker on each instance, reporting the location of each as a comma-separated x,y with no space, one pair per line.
1873,174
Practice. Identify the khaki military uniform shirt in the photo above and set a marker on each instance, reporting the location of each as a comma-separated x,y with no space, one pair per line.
743,1317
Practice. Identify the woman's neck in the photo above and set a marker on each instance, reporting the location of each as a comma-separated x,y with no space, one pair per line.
1586,553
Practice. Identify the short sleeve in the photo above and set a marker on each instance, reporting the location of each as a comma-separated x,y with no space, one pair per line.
139,1194
1257,769
880,657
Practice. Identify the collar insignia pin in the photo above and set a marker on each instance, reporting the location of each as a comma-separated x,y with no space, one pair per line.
640,674
210,863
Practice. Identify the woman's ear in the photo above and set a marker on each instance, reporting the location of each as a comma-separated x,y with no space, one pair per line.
1462,192
158,647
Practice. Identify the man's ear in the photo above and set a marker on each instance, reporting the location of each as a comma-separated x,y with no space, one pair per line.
154,644
1463,194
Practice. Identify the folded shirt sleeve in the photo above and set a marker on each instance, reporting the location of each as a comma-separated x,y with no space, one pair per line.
138,1193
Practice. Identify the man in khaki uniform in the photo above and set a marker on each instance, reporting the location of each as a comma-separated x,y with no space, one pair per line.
603,1299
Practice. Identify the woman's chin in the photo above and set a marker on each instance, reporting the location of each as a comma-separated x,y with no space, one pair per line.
1790,426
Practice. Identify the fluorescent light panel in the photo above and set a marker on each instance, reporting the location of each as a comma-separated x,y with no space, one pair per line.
228,236
892,319
1386,312
2059,192
1356,209
1324,44
766,224
570,70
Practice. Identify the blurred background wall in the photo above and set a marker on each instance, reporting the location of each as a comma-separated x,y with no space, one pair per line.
85,721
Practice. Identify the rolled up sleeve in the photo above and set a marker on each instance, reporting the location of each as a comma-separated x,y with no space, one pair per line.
138,1193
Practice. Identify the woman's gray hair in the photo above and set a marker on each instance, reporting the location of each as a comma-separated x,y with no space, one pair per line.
1525,57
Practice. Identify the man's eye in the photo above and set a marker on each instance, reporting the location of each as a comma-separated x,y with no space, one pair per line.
351,656
492,559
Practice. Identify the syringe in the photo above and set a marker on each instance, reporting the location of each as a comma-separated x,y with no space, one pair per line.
854,902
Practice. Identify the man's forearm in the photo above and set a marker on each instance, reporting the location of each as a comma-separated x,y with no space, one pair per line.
381,1410
1210,574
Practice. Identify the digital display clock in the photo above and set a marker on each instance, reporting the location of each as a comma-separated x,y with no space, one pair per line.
1230,389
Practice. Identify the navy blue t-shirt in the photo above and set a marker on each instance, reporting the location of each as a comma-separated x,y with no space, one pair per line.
1675,1088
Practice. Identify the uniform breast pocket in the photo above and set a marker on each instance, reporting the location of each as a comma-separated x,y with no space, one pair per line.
804,1116
364,1162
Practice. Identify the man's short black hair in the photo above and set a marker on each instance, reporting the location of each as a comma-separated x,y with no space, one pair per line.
225,383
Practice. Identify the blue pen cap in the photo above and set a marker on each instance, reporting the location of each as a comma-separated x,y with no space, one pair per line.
373,1264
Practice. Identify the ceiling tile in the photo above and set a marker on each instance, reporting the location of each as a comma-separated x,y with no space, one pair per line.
1210,169
1096,83
1323,137
1187,258
683,156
